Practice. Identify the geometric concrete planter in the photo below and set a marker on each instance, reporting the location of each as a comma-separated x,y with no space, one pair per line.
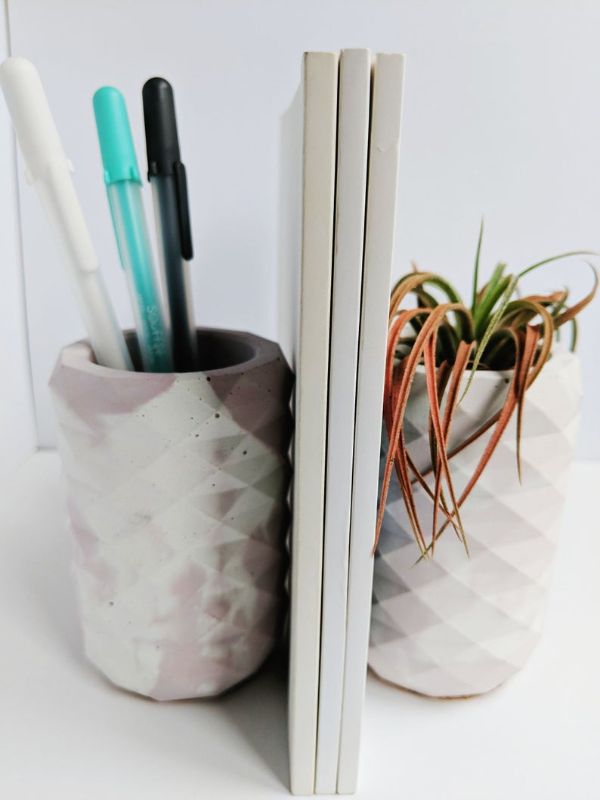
177,489
452,626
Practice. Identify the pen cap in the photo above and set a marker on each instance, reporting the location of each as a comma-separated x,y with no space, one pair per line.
114,135
31,116
162,143
162,150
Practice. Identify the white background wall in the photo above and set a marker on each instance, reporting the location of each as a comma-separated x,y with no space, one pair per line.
502,118
17,430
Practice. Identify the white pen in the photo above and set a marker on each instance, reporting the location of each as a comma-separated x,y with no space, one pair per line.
49,170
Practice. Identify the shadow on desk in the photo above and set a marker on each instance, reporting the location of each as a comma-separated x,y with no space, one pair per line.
258,709
48,605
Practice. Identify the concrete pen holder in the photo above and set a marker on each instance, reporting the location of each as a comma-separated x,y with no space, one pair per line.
177,489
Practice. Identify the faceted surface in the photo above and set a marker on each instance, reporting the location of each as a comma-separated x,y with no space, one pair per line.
453,625
177,500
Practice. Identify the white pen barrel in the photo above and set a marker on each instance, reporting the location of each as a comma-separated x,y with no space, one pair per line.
98,319
31,116
58,198
50,172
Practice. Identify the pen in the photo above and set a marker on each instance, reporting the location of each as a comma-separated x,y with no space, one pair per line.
167,179
49,170
124,190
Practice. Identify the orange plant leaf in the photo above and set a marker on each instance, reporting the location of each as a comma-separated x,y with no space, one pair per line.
395,434
444,471
531,340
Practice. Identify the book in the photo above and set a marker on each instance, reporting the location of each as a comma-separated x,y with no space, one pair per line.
388,79
320,85
350,198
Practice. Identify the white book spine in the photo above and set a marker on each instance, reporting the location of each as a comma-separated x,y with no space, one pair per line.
320,82
351,187
379,240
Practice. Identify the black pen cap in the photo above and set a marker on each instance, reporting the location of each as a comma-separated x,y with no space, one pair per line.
162,144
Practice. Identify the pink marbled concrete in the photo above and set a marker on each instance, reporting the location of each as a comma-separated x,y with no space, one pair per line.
177,502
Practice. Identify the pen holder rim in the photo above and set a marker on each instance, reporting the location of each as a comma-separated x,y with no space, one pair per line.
256,349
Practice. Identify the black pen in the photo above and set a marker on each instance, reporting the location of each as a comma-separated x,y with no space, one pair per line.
168,181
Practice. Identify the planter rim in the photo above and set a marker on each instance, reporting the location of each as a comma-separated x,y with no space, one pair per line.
558,360
79,355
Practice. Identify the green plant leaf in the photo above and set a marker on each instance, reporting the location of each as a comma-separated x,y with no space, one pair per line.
490,330
538,264
476,269
493,292
574,335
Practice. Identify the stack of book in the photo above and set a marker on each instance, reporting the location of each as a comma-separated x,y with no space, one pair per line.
348,111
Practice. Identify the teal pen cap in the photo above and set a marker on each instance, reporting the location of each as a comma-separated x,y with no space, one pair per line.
114,134
124,191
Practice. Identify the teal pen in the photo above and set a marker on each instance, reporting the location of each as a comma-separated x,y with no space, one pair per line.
124,190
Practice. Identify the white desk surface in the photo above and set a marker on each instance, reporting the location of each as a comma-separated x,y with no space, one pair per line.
65,733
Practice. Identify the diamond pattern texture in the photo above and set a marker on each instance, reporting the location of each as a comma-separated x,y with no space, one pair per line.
454,626
177,491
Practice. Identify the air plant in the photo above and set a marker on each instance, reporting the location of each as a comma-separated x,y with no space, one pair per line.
500,330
